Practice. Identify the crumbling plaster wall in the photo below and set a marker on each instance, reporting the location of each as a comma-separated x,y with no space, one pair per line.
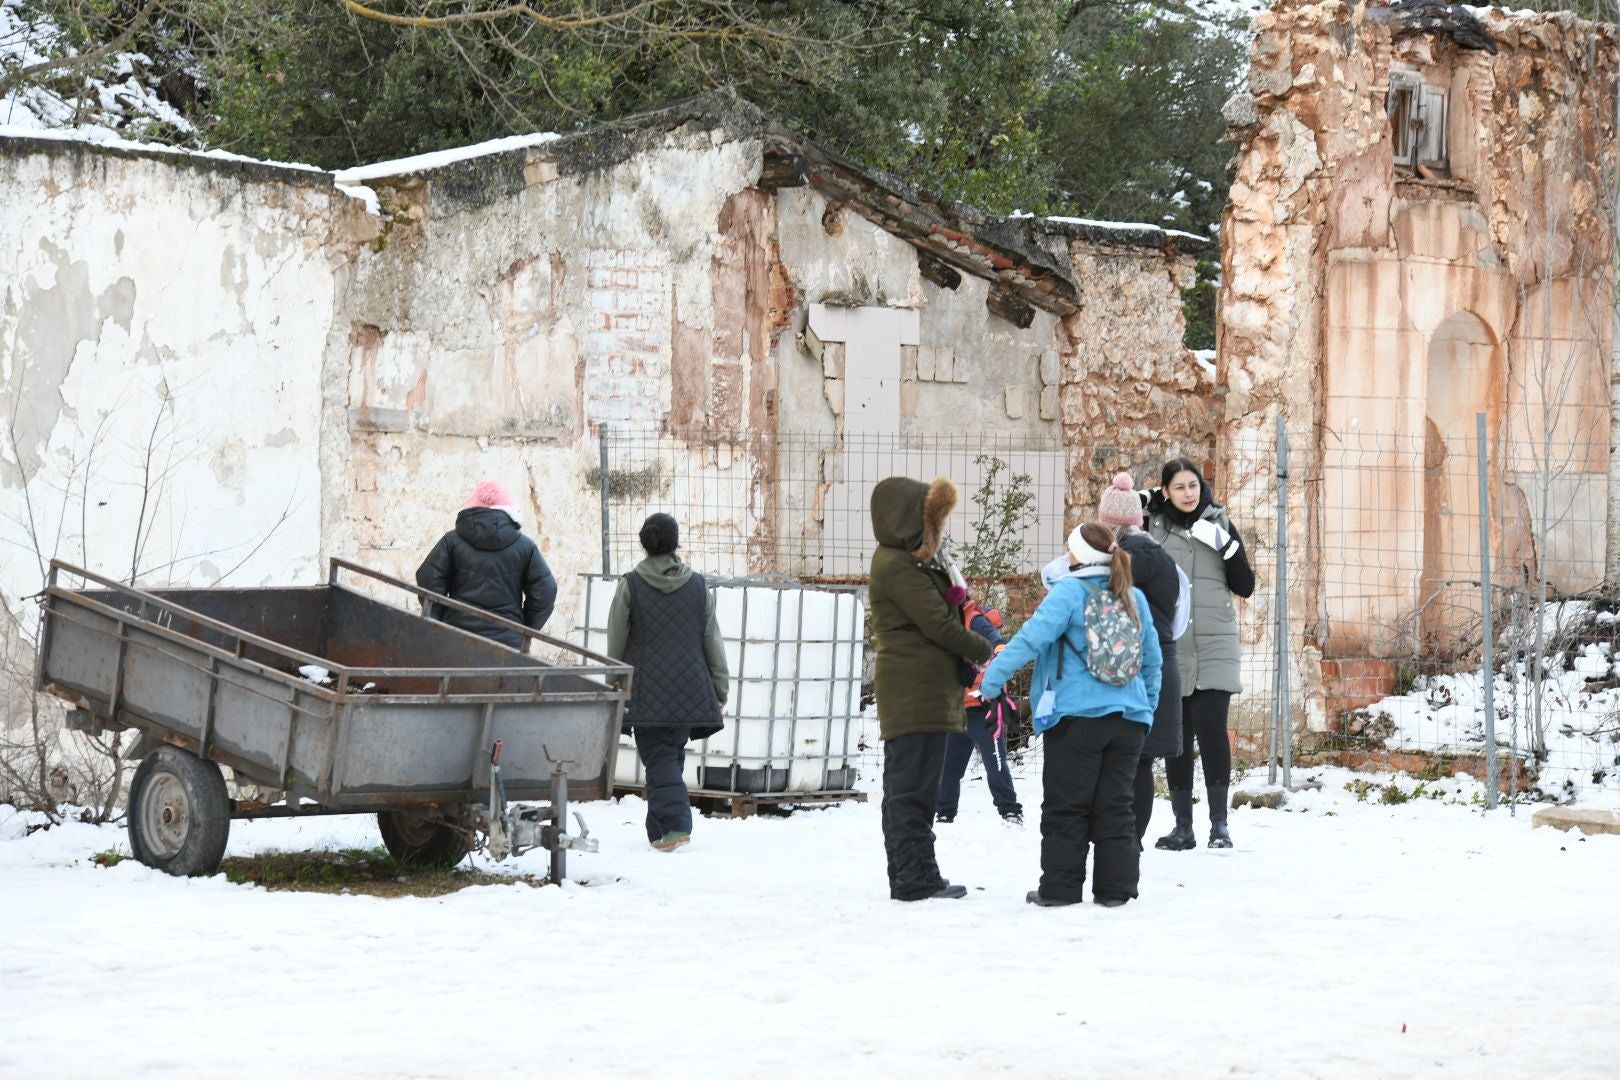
1066,399
968,383
522,300
118,335
1337,274
162,320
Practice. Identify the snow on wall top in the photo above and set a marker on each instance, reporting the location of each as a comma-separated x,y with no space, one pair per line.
440,158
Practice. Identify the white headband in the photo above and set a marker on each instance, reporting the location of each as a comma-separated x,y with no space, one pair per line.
1083,552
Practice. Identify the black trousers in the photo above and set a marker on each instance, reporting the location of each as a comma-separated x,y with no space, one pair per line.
1087,787
663,757
1203,717
911,768
1163,741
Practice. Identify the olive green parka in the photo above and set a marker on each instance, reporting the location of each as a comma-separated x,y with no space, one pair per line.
918,635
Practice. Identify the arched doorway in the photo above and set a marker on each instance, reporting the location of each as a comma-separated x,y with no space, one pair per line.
1463,378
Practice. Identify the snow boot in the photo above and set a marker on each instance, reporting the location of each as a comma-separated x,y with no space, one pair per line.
1218,802
1112,901
946,891
672,840
1013,817
944,817
1181,837
1034,897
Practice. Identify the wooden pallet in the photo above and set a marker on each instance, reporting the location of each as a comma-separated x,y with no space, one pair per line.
746,804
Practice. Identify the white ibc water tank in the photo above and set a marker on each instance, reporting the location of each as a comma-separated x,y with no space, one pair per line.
792,714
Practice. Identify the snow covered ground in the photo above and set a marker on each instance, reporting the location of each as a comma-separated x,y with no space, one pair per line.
1340,939
1580,709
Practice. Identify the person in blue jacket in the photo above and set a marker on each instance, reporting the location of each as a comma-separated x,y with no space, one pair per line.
1093,730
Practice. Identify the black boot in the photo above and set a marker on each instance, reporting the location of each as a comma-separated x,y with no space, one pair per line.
1218,836
1181,837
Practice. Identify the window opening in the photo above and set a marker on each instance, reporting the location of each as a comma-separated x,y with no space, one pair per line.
1417,120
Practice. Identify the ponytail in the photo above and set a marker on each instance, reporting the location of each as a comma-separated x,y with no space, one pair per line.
1101,539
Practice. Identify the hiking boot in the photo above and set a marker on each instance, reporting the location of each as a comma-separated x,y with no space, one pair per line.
1218,836
672,840
1034,897
944,817
1013,817
1181,837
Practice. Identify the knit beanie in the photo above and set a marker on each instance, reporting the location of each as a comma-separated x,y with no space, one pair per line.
1084,553
660,535
1120,505
491,494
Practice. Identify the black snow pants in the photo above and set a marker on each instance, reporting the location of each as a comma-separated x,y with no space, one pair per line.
663,756
1087,789
911,768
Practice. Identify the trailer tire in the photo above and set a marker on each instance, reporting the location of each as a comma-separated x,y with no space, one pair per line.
419,839
179,813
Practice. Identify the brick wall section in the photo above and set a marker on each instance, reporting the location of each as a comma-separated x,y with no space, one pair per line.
626,345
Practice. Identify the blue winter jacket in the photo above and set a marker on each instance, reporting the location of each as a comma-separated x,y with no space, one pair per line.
1078,693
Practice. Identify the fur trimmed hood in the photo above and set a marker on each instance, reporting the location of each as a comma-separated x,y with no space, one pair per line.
911,515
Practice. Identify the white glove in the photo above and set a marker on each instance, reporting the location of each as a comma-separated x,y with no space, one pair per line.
1207,532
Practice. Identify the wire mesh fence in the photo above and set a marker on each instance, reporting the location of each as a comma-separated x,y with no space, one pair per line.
1459,604
1391,571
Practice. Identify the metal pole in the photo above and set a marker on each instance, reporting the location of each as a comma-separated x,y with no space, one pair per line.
602,469
1487,652
1286,728
1279,628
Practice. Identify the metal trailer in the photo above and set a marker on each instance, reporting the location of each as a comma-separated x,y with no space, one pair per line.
436,730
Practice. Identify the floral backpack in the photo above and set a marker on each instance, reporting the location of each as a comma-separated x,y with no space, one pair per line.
1113,640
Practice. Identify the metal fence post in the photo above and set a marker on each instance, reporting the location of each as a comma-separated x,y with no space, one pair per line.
1487,652
1285,722
602,470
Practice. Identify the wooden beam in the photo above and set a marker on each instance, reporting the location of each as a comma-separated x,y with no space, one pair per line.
1003,303
937,271
782,170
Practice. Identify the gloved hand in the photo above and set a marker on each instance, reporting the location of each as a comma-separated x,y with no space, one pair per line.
1207,532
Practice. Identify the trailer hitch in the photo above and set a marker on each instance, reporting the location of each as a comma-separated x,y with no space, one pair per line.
514,830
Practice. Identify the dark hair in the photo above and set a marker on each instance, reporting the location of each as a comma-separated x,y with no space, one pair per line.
1101,538
660,535
1181,465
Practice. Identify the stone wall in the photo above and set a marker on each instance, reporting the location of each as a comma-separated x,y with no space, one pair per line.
1377,308
1132,395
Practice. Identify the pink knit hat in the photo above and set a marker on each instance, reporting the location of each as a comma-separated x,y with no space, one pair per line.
1120,504
490,493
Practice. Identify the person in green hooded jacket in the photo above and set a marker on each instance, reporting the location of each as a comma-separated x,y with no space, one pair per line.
920,639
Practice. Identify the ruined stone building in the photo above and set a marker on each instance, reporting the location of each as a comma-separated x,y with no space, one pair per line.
1420,230
217,368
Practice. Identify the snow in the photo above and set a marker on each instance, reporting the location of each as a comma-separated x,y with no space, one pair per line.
1445,714
365,195
121,97
440,158
314,673
1121,225
1341,938
103,137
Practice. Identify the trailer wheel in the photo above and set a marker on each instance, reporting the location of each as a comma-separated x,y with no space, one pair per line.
179,813
421,839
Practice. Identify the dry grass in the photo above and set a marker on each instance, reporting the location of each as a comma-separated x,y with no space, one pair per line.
359,872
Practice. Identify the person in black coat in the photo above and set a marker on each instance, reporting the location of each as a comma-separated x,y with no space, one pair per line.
486,561
662,623
1154,572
